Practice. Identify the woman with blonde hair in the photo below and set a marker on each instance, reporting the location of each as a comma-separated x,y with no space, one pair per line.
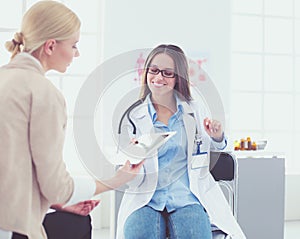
33,118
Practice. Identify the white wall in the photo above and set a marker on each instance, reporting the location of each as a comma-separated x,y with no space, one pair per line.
292,197
197,26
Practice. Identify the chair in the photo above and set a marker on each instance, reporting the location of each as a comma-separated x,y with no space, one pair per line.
223,167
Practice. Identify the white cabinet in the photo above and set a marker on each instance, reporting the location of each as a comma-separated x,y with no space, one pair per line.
261,193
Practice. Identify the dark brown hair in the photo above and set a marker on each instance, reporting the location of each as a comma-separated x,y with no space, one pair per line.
182,85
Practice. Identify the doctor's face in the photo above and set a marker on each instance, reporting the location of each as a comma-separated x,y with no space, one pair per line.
161,77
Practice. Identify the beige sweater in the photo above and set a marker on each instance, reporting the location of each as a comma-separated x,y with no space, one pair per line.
32,127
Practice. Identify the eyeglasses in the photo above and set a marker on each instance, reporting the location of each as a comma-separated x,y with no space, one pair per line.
164,73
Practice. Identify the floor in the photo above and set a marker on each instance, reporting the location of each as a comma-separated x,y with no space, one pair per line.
291,231
101,234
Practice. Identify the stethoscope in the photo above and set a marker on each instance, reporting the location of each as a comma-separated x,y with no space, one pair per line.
198,136
127,113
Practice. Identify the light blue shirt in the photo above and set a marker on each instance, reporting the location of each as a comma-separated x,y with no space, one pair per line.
172,189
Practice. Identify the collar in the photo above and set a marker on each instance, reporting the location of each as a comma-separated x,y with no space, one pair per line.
26,61
25,54
151,110
147,108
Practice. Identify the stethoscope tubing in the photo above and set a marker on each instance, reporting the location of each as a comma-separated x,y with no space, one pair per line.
127,114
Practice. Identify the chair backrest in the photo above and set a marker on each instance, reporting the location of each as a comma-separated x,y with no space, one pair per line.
222,166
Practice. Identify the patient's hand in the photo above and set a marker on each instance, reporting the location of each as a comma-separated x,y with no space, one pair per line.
82,208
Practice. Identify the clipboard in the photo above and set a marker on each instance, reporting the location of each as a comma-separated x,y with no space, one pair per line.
146,146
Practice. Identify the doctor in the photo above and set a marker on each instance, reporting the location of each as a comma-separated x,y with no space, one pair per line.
174,194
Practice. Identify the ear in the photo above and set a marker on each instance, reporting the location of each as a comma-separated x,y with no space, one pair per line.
49,46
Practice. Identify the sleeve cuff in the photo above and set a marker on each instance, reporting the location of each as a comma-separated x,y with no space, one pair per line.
84,189
138,180
220,145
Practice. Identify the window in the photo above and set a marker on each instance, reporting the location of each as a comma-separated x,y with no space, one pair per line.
265,71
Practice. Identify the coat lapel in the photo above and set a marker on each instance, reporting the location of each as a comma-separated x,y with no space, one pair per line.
140,117
190,128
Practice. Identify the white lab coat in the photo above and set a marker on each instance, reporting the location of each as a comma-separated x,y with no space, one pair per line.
202,184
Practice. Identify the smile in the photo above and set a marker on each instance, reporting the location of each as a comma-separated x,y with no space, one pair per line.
156,84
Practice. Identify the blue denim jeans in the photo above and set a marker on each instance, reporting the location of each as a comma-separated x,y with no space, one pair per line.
189,222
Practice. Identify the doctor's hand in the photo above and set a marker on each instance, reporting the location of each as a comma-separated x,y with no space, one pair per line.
214,129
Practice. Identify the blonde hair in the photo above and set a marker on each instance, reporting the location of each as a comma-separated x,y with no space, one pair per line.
44,20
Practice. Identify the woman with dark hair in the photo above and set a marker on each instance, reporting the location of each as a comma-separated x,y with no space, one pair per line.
177,196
